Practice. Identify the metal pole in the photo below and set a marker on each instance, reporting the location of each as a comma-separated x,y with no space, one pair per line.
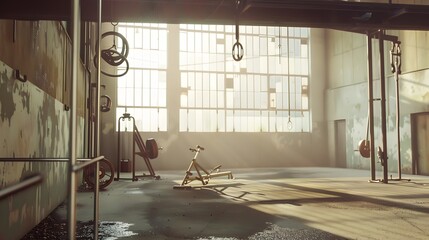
398,115
383,107
71,213
118,170
371,105
14,31
97,122
134,149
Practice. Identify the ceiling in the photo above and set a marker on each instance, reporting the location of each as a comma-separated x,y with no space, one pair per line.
342,15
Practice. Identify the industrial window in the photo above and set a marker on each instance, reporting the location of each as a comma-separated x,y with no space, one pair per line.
142,92
267,91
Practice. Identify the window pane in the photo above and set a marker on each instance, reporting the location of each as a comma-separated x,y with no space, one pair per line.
199,120
142,88
154,39
221,121
163,119
255,89
229,121
183,126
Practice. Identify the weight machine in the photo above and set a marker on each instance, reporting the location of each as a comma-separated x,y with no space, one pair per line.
367,146
147,151
202,174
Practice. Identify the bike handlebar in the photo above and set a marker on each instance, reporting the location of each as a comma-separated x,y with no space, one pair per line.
200,147
197,149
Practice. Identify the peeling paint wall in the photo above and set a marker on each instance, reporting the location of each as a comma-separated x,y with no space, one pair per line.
24,103
37,52
35,126
347,94
34,122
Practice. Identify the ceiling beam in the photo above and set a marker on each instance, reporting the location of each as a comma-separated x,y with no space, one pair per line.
303,13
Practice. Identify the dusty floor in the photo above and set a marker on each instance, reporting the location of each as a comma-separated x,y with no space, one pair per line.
280,203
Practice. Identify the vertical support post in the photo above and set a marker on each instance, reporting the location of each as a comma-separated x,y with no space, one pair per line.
134,151
383,107
97,122
395,61
398,119
71,213
14,31
118,167
370,104
134,131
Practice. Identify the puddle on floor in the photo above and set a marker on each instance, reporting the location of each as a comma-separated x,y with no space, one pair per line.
106,230
134,191
50,228
274,231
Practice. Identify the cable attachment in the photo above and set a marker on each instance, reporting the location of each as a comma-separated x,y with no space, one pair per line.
382,158
237,48
107,105
395,57
289,123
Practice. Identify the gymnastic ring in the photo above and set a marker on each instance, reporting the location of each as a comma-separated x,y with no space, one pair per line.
151,148
125,48
111,57
113,75
108,55
364,148
240,51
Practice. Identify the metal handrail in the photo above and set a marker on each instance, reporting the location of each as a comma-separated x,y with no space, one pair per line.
36,179
47,160
34,159
26,183
87,162
71,219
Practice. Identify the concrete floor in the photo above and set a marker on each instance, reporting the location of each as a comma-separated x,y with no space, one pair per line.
280,203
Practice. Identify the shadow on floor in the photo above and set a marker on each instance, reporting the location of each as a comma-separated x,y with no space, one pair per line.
152,209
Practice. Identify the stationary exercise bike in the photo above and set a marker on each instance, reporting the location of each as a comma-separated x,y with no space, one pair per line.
202,174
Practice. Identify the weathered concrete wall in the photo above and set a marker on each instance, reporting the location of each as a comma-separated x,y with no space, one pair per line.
347,95
231,150
40,42
34,122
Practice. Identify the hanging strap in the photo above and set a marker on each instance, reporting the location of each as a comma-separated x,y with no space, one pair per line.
237,48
